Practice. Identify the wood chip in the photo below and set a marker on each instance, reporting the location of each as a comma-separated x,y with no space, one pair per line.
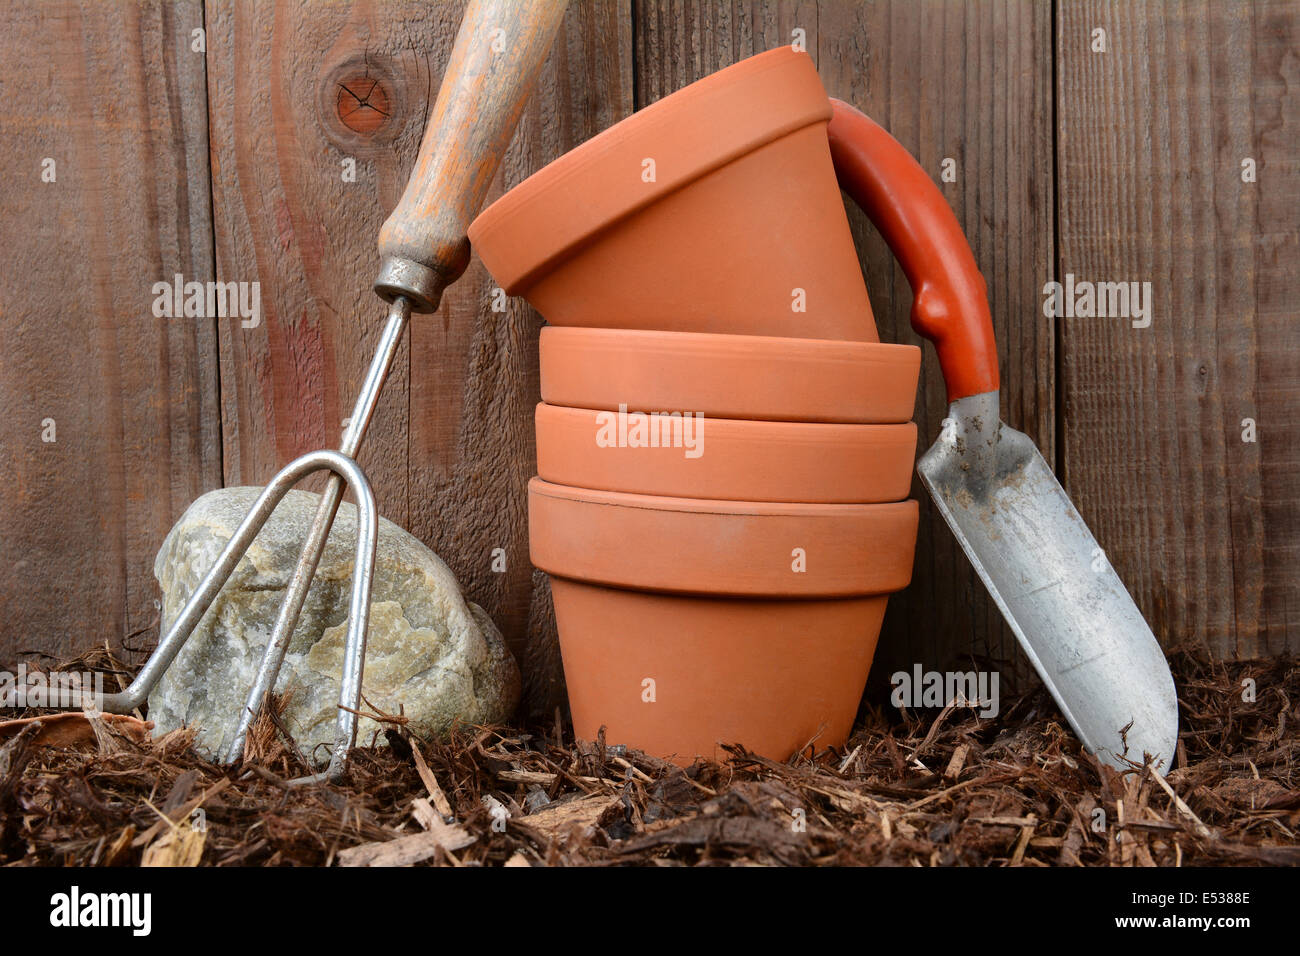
180,813
1018,855
543,779
1153,826
848,761
943,793
424,813
559,819
406,850
527,776
1201,829
116,852
181,845
636,771
180,791
842,799
953,770
1028,821
440,802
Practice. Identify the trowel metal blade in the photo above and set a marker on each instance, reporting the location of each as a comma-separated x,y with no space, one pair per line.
1068,608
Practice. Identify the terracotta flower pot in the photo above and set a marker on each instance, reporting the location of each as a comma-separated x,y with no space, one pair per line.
649,224
771,675
729,376
689,456
752,623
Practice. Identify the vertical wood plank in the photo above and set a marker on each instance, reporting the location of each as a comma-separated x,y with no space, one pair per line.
1202,526
967,81
288,128
472,448
114,95
451,447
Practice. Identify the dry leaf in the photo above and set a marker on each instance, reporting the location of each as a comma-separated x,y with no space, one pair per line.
75,728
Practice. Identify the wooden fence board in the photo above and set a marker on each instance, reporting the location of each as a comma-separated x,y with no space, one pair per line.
1202,526
114,95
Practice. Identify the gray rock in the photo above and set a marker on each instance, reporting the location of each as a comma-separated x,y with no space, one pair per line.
431,655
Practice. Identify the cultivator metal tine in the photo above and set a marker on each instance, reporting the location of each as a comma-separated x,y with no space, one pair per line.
290,609
203,596
343,470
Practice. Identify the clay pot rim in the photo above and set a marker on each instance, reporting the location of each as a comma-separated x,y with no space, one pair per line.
758,429
623,499
722,342
746,460
725,548
833,381
551,195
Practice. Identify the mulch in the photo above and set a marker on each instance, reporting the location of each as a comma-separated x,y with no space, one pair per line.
909,789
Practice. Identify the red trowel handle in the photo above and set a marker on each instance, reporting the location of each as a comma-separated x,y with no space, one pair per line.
950,302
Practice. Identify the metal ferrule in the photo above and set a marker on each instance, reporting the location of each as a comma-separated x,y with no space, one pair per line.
406,278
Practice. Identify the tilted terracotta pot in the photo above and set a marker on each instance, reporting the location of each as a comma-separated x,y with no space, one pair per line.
688,456
713,210
684,623
730,376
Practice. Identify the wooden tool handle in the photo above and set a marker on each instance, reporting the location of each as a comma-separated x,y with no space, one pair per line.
494,64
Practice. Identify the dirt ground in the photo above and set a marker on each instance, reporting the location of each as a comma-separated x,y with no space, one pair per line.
920,789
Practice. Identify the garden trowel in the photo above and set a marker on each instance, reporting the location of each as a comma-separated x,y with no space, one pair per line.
1067,606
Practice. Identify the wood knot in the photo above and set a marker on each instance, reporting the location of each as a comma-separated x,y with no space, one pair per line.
363,103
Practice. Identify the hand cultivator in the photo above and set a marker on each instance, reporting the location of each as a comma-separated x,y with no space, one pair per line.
493,66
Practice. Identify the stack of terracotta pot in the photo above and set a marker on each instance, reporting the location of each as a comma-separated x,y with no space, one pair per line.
724,447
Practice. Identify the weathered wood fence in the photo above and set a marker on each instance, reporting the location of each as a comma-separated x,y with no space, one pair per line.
256,142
